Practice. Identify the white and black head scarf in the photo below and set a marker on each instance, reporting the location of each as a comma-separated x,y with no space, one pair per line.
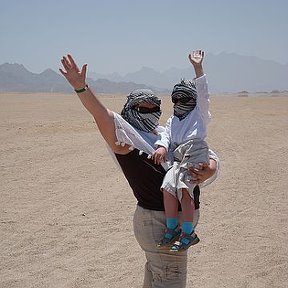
184,97
142,120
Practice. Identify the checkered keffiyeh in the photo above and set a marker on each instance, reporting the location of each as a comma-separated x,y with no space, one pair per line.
144,122
184,89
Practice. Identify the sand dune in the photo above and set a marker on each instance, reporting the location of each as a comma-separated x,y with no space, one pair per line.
66,209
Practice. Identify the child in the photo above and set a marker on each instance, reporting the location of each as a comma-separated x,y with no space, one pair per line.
184,135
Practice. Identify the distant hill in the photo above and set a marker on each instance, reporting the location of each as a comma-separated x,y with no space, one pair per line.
16,78
227,72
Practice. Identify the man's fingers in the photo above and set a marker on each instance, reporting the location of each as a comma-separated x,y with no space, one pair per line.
195,171
62,72
66,63
203,165
73,64
196,177
84,69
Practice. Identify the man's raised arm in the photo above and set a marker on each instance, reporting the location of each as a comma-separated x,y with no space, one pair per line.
104,117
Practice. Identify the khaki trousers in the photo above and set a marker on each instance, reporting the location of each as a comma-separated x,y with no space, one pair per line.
163,269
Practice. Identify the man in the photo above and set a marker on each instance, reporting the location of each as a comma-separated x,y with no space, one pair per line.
131,139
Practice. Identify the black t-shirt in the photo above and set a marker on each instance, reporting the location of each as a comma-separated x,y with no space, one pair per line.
145,178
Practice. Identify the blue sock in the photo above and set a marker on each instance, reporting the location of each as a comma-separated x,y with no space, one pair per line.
187,227
171,223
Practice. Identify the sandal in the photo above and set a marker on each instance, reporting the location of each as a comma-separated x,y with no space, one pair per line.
184,242
169,237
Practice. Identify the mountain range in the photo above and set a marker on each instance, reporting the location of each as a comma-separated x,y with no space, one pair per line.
226,72
16,78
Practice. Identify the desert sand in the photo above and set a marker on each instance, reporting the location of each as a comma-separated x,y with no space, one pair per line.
66,209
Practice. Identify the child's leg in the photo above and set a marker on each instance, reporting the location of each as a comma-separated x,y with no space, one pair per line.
188,208
173,231
188,236
171,210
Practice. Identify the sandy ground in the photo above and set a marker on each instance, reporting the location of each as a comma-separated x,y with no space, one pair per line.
66,210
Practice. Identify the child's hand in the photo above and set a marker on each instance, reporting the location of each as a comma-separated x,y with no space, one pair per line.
196,57
159,155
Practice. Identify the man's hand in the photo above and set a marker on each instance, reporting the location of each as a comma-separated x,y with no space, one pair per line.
159,155
72,73
203,172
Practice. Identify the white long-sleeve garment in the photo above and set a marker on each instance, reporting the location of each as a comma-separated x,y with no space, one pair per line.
194,125
145,142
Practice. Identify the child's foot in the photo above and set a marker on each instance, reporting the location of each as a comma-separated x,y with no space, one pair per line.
184,242
169,237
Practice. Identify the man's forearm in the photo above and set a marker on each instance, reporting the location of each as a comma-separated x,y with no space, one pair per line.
104,119
92,104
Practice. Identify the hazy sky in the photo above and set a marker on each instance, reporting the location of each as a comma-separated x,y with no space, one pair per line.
125,35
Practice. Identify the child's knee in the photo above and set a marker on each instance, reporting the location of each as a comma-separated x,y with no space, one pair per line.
185,193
